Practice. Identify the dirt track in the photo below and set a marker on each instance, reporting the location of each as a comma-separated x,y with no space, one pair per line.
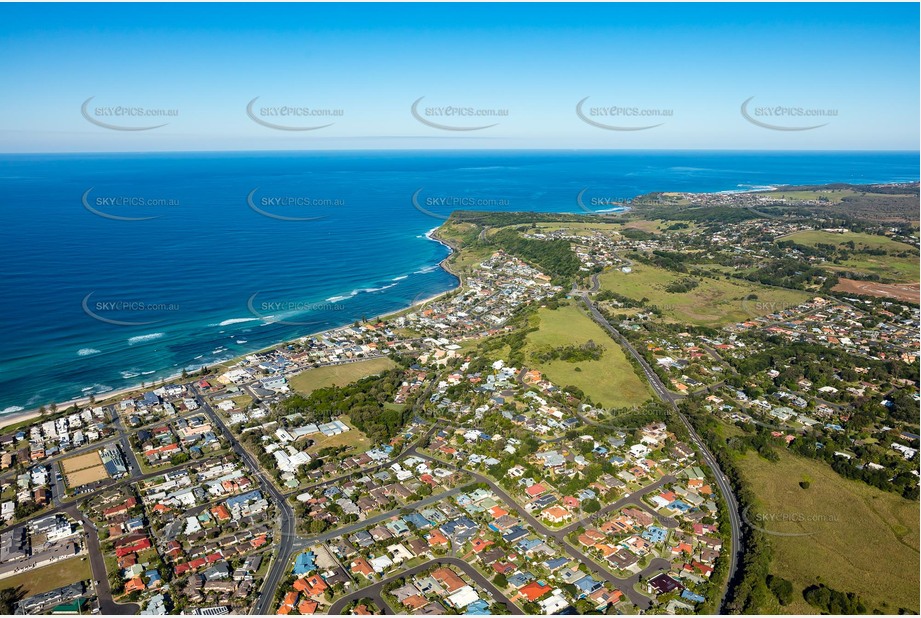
900,291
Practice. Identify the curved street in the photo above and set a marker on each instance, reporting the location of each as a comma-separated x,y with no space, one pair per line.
625,585
286,535
374,590
665,395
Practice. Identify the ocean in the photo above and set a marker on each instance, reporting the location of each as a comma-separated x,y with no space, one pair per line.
120,269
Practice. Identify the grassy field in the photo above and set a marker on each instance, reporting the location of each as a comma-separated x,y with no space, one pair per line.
552,226
655,226
899,269
834,196
338,375
241,401
461,235
609,381
862,539
713,302
354,439
50,577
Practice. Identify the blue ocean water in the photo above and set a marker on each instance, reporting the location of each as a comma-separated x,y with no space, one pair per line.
225,253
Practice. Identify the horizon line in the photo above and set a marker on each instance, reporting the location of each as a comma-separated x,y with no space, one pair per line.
464,150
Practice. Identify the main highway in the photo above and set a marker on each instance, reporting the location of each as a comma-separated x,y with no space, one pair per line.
666,396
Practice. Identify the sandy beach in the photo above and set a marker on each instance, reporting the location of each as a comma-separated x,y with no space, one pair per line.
107,397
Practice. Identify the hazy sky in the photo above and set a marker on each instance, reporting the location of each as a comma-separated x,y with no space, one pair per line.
687,68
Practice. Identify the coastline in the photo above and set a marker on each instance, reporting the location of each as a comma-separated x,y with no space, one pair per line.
20,416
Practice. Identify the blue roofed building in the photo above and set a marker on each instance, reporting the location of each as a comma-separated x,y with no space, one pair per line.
654,534
397,527
692,596
555,563
459,524
305,563
478,608
153,578
527,545
520,579
587,585
514,533
417,520
544,501
242,499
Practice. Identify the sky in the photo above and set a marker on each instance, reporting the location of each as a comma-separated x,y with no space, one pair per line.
649,76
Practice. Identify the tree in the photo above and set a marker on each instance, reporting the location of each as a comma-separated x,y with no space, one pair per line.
591,506
8,599
317,526
115,582
584,606
500,580
782,589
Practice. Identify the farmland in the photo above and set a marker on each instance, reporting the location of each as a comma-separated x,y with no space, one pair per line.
860,539
899,264
712,302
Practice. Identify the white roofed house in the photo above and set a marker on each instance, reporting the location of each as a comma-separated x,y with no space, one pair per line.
275,383
192,526
463,597
639,450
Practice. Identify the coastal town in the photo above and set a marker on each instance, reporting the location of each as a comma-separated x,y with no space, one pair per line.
445,460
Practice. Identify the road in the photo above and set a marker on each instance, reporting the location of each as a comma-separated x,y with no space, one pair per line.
665,395
377,519
107,605
62,506
624,585
359,472
130,457
287,535
374,590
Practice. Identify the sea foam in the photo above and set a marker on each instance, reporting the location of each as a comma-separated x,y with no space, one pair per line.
143,338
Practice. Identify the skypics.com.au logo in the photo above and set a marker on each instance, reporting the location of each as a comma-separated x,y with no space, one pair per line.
125,117
455,117
785,117
290,117
621,118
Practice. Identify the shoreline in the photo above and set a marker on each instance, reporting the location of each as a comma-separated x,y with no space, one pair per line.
14,418
20,416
